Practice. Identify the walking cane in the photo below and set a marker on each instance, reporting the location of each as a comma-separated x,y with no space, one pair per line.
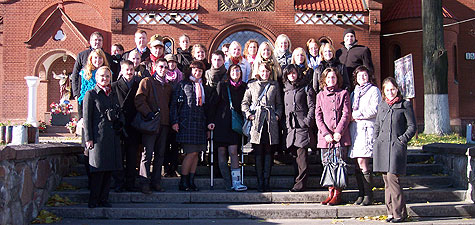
242,159
212,162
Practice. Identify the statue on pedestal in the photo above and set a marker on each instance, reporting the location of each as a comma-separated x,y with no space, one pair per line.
65,86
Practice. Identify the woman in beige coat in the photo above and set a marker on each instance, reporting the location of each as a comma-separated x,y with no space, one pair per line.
264,113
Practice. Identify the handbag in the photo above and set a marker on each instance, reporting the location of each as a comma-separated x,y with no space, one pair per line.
237,122
148,126
246,128
334,171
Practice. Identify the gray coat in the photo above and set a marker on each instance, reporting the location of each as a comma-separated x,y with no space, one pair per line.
268,108
395,125
106,155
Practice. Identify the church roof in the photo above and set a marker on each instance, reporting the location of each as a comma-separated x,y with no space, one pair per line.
163,5
404,9
330,5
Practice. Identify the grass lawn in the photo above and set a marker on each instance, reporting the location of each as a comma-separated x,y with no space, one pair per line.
424,139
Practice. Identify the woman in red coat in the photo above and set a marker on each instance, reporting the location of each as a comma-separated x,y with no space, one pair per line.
333,114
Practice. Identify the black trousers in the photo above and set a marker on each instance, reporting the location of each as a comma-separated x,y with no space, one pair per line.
170,162
126,177
154,146
100,187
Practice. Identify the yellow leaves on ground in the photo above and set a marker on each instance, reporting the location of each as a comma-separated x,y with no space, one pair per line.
381,217
378,189
46,217
73,174
57,200
424,139
65,186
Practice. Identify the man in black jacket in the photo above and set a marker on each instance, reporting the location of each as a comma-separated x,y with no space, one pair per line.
126,88
141,46
96,41
353,55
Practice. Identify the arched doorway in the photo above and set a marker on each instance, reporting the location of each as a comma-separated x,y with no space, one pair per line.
243,36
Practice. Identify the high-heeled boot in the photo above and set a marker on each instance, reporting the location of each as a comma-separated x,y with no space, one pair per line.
359,182
192,183
259,173
330,195
267,171
184,184
368,188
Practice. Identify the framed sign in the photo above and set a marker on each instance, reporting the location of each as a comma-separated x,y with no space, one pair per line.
404,75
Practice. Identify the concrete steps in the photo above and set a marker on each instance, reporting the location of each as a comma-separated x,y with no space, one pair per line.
255,211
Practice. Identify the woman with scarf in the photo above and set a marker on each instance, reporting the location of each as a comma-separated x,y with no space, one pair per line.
283,50
262,104
250,50
333,114
189,111
299,102
394,127
225,138
328,59
198,52
102,126
236,58
299,58
265,54
313,56
364,100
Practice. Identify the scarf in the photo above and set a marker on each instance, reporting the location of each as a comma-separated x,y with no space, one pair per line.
391,102
107,89
153,58
235,84
301,66
160,79
236,60
359,92
199,91
215,75
174,75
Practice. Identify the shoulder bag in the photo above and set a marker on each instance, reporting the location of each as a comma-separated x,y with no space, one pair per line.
148,126
237,121
246,128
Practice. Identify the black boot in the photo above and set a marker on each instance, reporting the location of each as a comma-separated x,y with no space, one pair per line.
267,171
259,173
224,168
184,183
192,183
359,182
368,188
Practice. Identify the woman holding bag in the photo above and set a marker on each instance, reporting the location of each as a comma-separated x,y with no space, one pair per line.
262,104
395,125
230,93
299,102
333,114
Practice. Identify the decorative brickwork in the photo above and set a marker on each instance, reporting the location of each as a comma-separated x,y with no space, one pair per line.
329,18
162,18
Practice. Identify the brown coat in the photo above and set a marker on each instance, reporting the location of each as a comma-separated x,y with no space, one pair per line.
145,101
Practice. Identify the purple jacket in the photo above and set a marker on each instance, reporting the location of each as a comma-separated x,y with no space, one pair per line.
333,114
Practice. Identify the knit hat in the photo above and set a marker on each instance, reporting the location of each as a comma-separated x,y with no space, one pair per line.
170,57
155,40
349,30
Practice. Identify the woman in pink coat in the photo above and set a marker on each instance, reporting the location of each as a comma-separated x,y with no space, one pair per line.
333,114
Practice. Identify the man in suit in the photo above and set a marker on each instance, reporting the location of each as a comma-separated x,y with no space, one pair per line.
140,45
96,41
126,88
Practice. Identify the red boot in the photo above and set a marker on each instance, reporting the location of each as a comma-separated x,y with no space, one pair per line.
331,191
336,200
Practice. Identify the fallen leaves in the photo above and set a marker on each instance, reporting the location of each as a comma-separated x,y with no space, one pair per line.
46,217
65,186
57,200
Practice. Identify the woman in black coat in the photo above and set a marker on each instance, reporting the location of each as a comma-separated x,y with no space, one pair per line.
189,111
226,139
395,125
299,102
327,54
102,126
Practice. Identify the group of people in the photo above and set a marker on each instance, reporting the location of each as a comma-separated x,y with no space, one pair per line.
308,98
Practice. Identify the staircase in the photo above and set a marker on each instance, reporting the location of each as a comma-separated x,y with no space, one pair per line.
429,193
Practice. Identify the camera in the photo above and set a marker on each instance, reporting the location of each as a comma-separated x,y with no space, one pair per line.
112,114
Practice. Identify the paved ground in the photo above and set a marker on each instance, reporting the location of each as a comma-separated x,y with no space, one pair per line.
415,221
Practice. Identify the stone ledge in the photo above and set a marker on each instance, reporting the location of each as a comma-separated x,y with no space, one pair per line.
453,149
15,152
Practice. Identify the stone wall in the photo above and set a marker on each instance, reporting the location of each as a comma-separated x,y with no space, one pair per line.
459,163
28,173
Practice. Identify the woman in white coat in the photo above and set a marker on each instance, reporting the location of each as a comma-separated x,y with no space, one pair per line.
364,100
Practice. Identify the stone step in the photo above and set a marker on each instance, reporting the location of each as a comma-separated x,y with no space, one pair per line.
251,196
285,182
257,211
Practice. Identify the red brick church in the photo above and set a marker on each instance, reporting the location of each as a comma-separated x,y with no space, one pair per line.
39,37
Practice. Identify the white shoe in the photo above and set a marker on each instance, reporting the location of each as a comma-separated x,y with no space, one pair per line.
236,176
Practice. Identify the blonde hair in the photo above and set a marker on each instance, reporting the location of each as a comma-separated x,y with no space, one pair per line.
90,67
281,38
197,46
295,52
276,69
320,52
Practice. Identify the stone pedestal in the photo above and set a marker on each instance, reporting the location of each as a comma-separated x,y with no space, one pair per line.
32,82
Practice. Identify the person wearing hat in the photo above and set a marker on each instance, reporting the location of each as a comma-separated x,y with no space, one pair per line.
157,49
352,54
174,74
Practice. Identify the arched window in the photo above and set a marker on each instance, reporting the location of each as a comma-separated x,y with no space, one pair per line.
243,36
325,39
396,52
168,45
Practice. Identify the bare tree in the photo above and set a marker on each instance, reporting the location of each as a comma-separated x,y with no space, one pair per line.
436,103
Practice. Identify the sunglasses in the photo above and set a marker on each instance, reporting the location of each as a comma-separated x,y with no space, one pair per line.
163,67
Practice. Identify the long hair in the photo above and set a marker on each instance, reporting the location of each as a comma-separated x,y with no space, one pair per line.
391,80
360,69
310,41
228,73
90,67
294,54
268,66
339,82
246,46
277,70
289,69
323,46
281,38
